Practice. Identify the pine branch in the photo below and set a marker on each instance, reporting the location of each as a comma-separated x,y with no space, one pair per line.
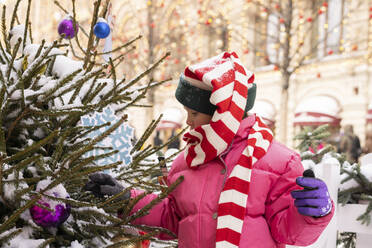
26,24
160,229
140,76
14,15
28,150
133,240
365,218
21,165
122,46
46,243
22,115
2,155
3,30
91,94
79,83
146,134
11,235
15,215
89,146
34,68
14,54
60,83
91,36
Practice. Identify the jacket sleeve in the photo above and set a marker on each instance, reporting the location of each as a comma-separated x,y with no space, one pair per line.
162,214
286,224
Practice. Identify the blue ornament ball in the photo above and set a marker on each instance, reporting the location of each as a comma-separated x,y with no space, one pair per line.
101,30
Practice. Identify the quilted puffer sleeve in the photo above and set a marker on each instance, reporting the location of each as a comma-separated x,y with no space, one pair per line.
163,214
286,224
166,213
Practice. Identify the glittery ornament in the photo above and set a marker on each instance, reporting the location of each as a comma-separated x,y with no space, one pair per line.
119,238
66,28
101,29
58,213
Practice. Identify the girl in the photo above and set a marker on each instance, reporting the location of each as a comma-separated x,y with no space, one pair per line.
241,188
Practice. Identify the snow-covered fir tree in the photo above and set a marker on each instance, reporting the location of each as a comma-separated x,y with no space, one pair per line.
62,118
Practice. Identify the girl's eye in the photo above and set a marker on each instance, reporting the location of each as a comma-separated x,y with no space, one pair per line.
194,113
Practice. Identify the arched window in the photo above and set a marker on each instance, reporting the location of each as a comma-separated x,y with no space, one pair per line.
317,110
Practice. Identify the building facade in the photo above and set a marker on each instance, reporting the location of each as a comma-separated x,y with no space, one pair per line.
325,45
332,85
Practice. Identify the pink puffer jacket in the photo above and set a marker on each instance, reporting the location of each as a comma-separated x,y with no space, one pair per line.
271,219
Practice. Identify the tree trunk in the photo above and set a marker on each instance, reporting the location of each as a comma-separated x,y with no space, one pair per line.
150,43
286,74
283,110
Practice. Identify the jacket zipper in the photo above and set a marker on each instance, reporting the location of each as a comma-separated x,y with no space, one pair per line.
224,164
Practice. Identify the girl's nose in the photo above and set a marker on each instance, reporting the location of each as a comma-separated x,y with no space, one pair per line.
189,121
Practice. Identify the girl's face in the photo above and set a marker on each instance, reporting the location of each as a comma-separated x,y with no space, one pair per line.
195,118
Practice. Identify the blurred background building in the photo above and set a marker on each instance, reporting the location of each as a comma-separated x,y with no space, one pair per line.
311,59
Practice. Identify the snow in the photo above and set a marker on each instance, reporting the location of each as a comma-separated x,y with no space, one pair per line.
10,188
57,191
76,244
39,133
46,83
16,95
365,170
30,51
18,32
109,82
366,159
23,240
327,160
100,19
64,66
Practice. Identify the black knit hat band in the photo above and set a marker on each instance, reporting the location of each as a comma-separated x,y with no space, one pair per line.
198,99
194,98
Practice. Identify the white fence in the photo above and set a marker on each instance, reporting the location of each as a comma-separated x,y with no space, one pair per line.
345,216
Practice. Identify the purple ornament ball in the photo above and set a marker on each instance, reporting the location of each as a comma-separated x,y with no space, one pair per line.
45,218
66,29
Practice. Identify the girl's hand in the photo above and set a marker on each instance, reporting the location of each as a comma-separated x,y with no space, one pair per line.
102,184
314,200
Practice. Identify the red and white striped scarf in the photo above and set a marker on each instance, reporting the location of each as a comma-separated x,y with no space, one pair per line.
229,81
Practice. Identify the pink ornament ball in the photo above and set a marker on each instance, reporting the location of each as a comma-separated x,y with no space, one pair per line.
45,218
66,29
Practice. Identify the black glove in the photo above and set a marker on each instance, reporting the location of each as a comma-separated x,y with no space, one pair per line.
102,184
